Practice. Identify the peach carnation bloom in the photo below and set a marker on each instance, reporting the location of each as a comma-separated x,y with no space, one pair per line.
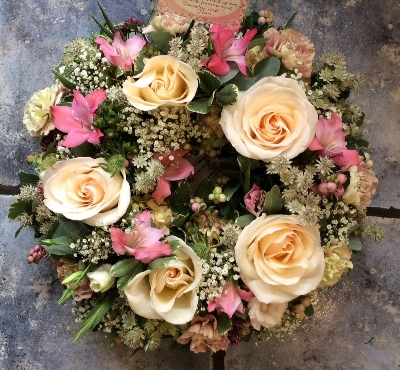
203,333
292,47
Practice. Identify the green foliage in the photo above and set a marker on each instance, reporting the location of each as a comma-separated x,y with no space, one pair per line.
18,207
201,106
84,150
260,41
228,95
67,83
108,22
114,164
243,221
125,270
267,67
28,179
162,262
59,246
103,28
289,22
208,82
73,229
355,243
95,315
204,189
234,70
224,323
180,198
161,40
179,220
309,311
273,201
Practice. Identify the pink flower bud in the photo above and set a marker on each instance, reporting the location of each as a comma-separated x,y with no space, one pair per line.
323,189
339,191
331,187
342,178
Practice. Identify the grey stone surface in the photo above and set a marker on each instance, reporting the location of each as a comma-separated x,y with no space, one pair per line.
356,323
36,333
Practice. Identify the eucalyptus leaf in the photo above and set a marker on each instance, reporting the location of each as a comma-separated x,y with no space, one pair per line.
273,201
234,70
243,221
261,41
355,243
267,67
73,229
224,323
243,82
125,267
161,40
59,249
208,82
228,95
162,262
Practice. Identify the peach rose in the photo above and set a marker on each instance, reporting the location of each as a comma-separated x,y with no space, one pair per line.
279,259
273,118
80,189
266,315
163,81
168,293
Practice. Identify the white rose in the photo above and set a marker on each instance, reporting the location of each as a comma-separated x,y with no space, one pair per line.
37,117
273,118
266,315
163,81
80,189
279,259
168,293
101,279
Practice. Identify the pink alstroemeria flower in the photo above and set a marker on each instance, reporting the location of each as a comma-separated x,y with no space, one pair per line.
330,142
229,302
120,53
175,168
77,120
143,243
227,48
254,200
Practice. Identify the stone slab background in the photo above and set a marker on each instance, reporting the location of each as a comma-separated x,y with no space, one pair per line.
357,323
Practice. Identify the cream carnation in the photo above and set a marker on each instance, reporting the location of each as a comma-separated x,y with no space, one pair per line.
37,117
167,22
279,259
80,189
292,47
168,293
271,119
163,81
267,315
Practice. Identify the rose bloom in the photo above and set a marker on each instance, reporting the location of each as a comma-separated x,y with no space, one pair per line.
168,293
293,48
80,189
266,315
163,81
362,187
37,117
204,333
279,259
273,118
101,279
168,22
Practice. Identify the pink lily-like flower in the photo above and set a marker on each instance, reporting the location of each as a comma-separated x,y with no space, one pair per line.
120,53
330,141
227,48
229,302
143,243
175,168
77,120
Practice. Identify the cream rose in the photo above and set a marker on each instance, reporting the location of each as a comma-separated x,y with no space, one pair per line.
271,119
163,81
267,315
37,117
279,259
80,189
101,279
168,293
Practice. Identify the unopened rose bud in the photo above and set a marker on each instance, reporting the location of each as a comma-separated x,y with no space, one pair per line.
101,279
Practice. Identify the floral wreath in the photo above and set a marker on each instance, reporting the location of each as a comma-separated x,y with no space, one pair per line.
196,182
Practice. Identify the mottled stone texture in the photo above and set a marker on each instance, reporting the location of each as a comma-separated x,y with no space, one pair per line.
357,322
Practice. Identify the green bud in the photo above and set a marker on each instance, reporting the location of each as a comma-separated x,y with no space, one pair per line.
73,277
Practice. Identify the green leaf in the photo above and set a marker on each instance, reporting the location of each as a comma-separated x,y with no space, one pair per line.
28,179
18,231
59,249
125,267
95,316
224,209
208,82
204,190
201,106
162,262
102,27
73,229
290,21
267,67
224,323
84,150
243,221
355,243
232,73
19,207
309,311
108,22
273,201
175,244
245,162
353,228
228,95
261,41
180,198
247,23
123,281
161,40
180,220
230,189
139,63
243,82
67,83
